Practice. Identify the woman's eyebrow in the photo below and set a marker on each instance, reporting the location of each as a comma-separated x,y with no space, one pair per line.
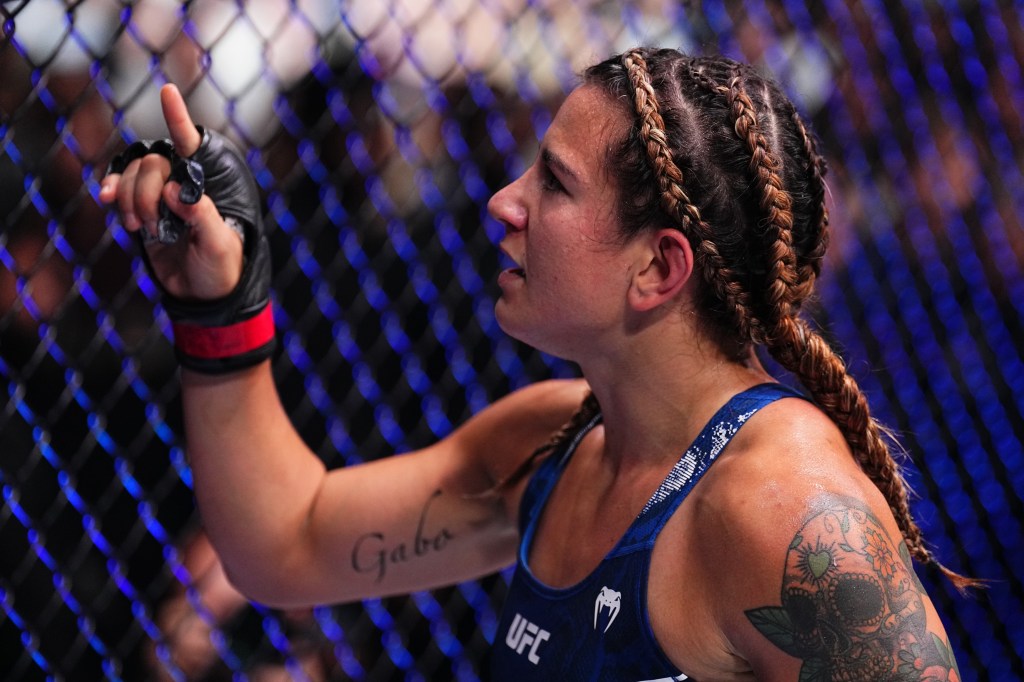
552,160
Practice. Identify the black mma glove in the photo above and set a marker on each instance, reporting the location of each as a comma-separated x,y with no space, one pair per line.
236,331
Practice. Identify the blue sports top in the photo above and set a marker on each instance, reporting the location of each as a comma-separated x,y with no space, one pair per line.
599,628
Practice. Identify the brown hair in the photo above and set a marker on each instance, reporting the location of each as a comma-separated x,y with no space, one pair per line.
718,149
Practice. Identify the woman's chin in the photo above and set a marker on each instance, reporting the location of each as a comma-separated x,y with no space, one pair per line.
523,333
504,317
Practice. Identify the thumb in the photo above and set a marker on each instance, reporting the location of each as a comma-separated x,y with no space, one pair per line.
184,134
208,262
202,216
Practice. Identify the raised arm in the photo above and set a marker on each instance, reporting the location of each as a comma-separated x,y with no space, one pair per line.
288,531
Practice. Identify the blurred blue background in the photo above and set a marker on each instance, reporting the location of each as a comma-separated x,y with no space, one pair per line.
377,131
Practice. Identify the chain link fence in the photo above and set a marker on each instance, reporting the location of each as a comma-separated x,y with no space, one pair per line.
377,131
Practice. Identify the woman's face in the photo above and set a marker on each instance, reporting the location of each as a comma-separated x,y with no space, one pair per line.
568,291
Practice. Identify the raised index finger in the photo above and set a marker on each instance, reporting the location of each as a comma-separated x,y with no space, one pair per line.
184,135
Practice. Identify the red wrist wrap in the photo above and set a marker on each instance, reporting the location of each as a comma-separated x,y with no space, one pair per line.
214,343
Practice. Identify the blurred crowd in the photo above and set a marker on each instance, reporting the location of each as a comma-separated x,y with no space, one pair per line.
383,93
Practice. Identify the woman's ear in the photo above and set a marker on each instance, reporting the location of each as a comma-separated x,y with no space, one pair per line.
667,267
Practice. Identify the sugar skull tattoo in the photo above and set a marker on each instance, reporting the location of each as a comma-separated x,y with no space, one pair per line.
852,607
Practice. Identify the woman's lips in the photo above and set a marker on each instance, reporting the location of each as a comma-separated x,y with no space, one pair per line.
510,276
513,270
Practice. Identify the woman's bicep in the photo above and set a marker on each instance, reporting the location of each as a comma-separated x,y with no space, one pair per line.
401,524
849,604
425,519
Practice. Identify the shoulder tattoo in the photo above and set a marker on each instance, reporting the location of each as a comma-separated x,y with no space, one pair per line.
852,606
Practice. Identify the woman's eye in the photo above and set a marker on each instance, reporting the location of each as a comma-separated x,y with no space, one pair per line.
549,182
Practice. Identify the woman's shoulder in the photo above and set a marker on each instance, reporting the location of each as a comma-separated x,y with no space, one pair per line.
790,444
787,467
778,492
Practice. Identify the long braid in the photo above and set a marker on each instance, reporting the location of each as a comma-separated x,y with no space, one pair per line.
800,349
790,339
804,352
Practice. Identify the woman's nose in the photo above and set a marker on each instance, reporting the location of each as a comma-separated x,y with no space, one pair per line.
507,207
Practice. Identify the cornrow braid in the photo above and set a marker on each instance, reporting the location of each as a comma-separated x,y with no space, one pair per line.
816,168
775,202
676,202
808,266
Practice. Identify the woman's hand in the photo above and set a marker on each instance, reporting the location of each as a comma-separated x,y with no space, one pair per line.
206,262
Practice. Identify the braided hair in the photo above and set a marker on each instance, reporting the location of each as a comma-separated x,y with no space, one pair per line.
718,149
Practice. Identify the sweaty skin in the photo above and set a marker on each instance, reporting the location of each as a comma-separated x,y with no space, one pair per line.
720,603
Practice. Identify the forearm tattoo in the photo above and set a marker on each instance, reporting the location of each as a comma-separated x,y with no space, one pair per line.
852,605
373,552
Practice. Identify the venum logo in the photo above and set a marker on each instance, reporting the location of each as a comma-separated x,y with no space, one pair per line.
521,634
610,598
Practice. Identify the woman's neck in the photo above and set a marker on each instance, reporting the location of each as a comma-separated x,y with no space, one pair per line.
654,405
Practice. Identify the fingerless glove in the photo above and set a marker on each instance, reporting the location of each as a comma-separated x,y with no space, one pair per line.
236,331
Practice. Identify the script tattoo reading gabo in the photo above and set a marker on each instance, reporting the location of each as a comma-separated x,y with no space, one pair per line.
373,553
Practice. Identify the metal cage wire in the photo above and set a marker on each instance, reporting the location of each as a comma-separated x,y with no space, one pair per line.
377,132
